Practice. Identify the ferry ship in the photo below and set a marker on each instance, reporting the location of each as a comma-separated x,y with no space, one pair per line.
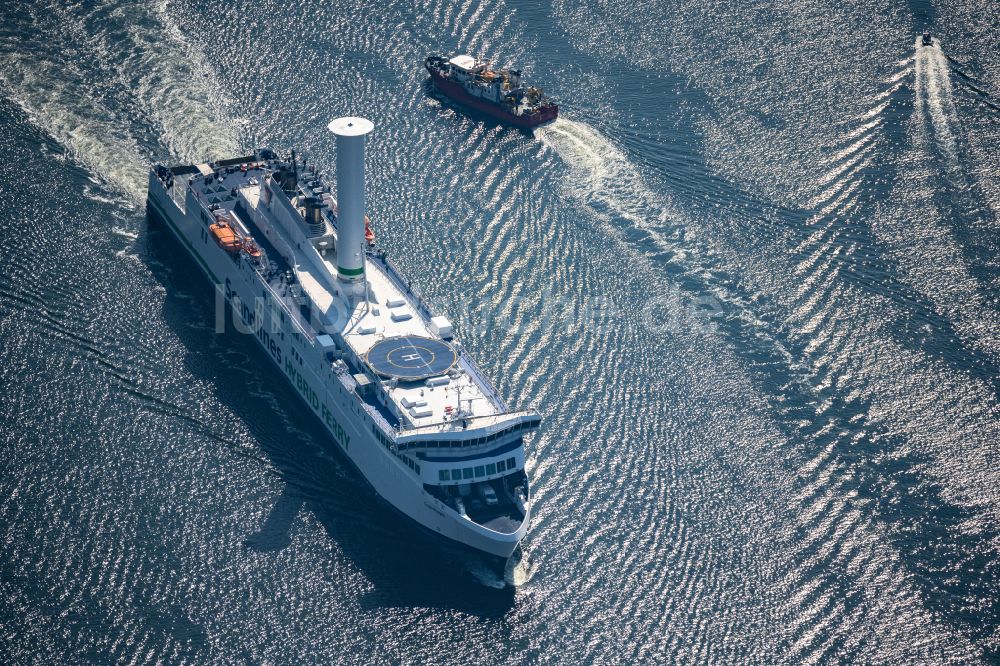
386,377
496,92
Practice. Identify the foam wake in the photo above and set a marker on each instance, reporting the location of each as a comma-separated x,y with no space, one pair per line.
119,87
84,127
933,94
602,176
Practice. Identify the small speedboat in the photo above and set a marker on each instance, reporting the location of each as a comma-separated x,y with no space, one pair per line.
927,40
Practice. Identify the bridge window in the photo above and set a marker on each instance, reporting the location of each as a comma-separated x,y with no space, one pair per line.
467,473
456,475
501,465
491,469
511,463
480,471
443,475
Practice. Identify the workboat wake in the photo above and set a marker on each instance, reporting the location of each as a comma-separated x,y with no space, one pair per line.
603,177
391,385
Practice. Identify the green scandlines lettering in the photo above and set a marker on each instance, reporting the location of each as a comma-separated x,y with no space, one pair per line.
339,433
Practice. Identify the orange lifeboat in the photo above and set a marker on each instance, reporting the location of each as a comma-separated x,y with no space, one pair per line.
225,237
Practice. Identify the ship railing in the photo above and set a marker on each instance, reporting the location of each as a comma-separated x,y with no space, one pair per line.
511,423
396,277
177,194
387,427
470,367
292,308
170,179
468,364
343,374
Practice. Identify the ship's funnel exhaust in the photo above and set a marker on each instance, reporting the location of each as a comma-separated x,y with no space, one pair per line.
351,134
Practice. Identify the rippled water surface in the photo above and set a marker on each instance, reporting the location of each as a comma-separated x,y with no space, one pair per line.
750,277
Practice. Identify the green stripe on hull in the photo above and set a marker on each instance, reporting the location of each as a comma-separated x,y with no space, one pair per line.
182,238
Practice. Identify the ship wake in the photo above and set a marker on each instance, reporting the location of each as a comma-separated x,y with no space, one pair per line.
119,88
602,175
934,96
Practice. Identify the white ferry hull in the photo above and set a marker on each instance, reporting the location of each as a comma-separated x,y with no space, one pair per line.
349,430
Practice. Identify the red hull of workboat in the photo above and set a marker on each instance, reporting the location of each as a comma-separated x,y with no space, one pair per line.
457,93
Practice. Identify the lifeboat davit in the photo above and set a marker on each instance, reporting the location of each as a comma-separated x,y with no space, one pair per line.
251,248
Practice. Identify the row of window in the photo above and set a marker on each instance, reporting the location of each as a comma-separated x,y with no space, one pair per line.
476,472
388,445
469,442
382,438
409,461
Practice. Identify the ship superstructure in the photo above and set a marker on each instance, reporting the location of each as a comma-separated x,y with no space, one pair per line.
498,92
386,377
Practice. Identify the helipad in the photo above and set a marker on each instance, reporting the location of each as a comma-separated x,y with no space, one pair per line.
411,357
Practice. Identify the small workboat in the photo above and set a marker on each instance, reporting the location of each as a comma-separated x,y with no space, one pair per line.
497,92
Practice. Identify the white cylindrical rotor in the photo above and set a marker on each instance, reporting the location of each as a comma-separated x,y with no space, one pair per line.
351,133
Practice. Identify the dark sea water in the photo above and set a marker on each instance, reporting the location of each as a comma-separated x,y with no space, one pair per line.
751,278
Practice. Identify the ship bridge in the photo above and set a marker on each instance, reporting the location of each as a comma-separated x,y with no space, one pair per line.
464,62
